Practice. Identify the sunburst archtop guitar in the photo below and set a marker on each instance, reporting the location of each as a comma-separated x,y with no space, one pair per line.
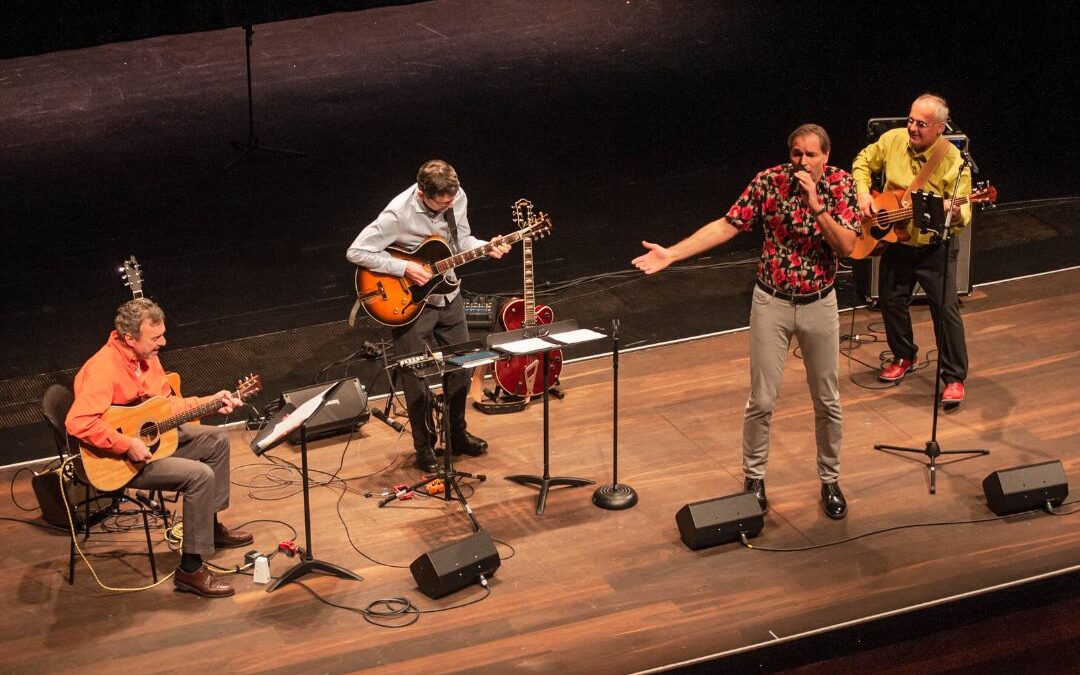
397,301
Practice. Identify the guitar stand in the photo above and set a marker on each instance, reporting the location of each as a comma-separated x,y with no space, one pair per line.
446,472
251,146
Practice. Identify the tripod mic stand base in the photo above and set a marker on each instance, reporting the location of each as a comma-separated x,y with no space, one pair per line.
614,497
545,483
933,451
307,567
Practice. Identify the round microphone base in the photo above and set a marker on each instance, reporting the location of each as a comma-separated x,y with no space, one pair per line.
614,497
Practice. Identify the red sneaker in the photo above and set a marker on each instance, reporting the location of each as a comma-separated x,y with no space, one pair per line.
895,371
953,394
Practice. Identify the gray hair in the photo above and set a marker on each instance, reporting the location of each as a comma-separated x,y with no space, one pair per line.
940,106
131,314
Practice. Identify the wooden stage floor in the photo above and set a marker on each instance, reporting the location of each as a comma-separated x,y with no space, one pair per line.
581,589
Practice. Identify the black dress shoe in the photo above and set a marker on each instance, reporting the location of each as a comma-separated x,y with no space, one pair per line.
467,444
426,462
832,500
757,486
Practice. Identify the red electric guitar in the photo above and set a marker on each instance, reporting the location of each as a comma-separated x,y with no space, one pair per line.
522,375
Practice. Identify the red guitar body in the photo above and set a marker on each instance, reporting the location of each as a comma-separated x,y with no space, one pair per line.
515,374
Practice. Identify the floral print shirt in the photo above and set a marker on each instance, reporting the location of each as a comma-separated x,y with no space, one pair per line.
795,258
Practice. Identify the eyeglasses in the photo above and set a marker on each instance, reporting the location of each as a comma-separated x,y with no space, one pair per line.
919,123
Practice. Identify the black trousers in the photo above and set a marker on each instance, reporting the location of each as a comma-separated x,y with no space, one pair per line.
435,327
901,267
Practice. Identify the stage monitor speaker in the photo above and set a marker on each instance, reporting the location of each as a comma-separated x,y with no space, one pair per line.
868,271
720,520
341,413
47,490
1023,488
455,566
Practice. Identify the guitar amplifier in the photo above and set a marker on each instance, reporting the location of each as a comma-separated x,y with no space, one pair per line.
340,414
868,271
482,312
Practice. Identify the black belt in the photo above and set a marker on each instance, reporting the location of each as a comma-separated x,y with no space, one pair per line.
803,299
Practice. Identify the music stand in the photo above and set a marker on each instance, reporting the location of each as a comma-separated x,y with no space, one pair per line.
450,359
249,147
284,422
504,342
930,218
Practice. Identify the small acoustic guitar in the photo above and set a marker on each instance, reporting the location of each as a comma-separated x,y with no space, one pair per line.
889,224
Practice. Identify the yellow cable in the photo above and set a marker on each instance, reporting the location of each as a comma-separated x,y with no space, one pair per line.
75,541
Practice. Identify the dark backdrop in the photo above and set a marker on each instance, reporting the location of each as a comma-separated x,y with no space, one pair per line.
623,119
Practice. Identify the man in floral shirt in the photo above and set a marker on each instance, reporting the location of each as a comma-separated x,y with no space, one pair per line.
809,214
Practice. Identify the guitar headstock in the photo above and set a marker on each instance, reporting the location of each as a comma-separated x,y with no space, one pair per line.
985,194
539,226
131,273
249,386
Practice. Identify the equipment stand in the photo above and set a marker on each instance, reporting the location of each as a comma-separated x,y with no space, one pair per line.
615,497
447,473
546,481
251,146
933,449
271,438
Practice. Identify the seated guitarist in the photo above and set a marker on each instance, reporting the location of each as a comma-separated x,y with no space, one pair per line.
127,370
901,154
434,205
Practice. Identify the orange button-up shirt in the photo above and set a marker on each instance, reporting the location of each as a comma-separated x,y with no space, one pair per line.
115,375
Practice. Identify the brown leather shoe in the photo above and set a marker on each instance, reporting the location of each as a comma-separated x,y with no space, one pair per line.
202,582
223,538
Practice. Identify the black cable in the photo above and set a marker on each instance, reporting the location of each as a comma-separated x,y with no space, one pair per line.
11,488
393,607
745,542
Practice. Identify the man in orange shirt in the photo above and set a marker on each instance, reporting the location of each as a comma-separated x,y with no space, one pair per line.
127,370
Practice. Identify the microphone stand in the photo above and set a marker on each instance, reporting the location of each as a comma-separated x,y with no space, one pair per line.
933,448
615,497
251,146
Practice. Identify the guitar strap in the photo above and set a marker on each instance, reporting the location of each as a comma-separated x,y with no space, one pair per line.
940,149
451,224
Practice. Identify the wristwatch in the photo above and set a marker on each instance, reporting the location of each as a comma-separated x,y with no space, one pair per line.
818,212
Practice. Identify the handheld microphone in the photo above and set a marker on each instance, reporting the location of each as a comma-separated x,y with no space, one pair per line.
382,416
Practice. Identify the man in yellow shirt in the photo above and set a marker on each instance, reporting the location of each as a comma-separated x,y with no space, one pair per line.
900,154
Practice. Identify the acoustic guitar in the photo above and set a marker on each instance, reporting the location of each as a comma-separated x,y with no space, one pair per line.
889,224
522,375
151,421
131,273
397,301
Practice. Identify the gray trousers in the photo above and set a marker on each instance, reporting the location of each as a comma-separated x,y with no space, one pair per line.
199,470
773,323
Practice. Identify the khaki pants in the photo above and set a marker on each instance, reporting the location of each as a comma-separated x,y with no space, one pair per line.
199,470
773,323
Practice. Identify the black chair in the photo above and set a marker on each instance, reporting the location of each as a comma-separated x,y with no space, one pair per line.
95,505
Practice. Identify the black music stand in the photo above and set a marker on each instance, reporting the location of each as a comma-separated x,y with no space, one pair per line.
285,421
496,340
449,360
931,215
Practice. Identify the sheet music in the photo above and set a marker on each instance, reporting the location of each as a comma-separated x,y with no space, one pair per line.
293,420
526,346
572,337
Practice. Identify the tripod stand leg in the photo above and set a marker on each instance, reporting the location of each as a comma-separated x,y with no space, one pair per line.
309,566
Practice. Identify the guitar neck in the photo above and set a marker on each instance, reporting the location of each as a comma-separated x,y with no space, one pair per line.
195,413
527,286
447,264
904,214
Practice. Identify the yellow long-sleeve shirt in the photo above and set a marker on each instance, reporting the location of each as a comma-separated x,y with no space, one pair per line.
892,155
